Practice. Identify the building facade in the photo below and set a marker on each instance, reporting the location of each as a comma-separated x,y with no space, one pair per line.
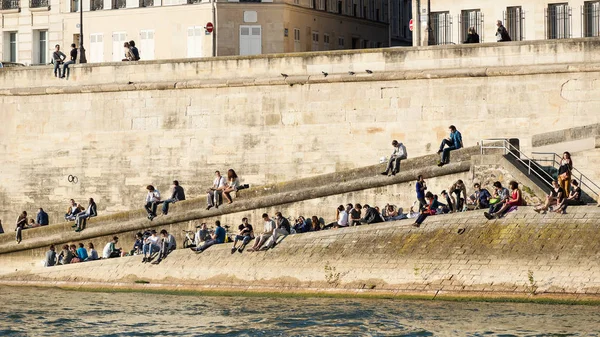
447,22
170,29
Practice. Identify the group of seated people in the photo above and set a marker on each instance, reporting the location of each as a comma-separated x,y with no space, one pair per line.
70,254
76,212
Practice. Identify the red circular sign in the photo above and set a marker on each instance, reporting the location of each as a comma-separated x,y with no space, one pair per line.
209,27
410,25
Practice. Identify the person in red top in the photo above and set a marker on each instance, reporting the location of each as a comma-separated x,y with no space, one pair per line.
514,200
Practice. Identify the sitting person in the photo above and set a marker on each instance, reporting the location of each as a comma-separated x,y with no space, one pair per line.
152,201
73,250
515,199
355,215
302,226
448,207
82,253
268,229
391,213
245,235
82,217
371,216
217,237
65,255
231,186
138,245
32,224
201,235
315,224
92,253
50,257
457,189
555,198
282,228
73,210
167,245
482,197
574,198
430,209
20,225
213,195
178,194
42,218
341,218
454,142
150,245
501,194
110,250
399,154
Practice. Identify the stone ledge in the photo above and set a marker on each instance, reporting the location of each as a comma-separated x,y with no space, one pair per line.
565,135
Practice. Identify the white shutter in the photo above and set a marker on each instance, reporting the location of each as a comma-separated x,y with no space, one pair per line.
96,48
250,40
146,48
118,49
194,41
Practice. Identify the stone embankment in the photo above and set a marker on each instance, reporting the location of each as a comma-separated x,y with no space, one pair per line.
524,255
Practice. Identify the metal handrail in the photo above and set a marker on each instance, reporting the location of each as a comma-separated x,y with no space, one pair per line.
511,149
581,175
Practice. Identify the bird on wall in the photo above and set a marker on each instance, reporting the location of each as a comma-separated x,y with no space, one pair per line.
368,71
284,75
325,74
351,73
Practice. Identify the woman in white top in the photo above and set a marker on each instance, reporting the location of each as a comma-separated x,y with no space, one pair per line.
232,185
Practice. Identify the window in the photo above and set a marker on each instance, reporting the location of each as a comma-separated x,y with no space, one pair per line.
194,41
11,50
558,21
591,18
340,7
341,42
146,44
441,28
296,34
326,41
250,40
42,46
514,18
471,18
315,41
96,48
119,39
297,45
75,5
296,2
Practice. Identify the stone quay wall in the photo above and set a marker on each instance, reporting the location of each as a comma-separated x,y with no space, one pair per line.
524,255
119,127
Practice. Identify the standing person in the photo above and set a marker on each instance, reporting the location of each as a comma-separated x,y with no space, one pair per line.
564,172
20,224
472,36
178,194
50,257
92,253
110,250
42,218
268,229
135,53
217,237
90,212
502,33
66,71
167,245
421,187
58,57
245,235
399,154
152,201
232,185
213,195
454,142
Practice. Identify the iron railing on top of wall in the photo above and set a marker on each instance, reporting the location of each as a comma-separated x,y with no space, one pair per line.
440,28
590,19
11,4
146,3
514,21
558,23
39,3
467,19
96,5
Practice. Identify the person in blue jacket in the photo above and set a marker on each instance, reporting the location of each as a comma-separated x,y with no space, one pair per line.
454,142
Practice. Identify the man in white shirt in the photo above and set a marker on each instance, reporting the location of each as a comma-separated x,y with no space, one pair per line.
269,227
150,245
282,227
342,217
110,250
152,201
399,153
214,194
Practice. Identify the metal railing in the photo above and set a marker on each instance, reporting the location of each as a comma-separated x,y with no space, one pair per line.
11,4
558,23
468,19
514,20
584,181
146,3
509,149
96,5
440,28
38,3
117,4
590,19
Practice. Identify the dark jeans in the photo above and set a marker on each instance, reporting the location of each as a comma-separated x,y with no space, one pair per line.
164,251
66,71
393,165
422,203
244,238
19,235
496,207
80,221
165,208
151,208
446,151
56,69
421,218
459,203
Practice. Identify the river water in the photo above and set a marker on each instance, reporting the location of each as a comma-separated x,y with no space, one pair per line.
53,312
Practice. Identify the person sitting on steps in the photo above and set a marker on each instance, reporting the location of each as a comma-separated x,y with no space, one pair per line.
217,237
233,182
509,204
245,235
213,195
399,154
556,197
152,201
90,212
574,198
454,142
167,245
269,227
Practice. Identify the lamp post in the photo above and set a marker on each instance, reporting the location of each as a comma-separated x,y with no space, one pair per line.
82,58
